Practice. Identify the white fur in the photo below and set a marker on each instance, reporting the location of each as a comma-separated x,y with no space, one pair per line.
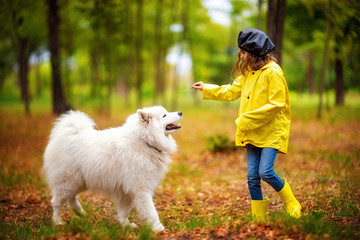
125,163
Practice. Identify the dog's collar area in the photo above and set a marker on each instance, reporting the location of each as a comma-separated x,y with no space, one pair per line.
150,146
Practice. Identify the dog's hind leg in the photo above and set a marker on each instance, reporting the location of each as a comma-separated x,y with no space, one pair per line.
146,209
76,206
123,206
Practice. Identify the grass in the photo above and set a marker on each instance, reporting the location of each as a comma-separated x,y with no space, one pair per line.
313,226
76,227
8,181
204,194
186,219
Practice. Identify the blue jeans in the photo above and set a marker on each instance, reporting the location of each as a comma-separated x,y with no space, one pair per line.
260,163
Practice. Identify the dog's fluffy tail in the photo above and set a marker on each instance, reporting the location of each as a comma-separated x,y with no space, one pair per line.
72,122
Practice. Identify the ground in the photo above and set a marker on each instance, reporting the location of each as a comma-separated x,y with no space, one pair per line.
204,195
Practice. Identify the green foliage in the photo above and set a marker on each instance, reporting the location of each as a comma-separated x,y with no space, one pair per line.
220,143
98,43
304,107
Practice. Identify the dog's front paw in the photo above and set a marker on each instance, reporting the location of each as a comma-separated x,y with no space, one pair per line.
126,223
158,227
133,225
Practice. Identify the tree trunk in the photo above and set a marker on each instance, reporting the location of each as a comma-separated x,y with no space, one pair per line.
193,58
94,70
324,61
170,38
129,58
23,58
38,75
138,50
159,83
271,16
105,105
339,87
175,87
23,53
185,21
310,74
259,17
275,24
67,66
59,102
280,18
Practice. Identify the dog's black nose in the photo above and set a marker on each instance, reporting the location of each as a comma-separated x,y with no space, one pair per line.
180,113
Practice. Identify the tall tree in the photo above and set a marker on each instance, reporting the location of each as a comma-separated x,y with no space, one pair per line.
275,24
69,29
352,55
325,58
345,19
110,47
310,72
23,59
259,17
184,40
24,19
138,50
339,79
59,101
6,60
159,75
271,19
127,56
304,20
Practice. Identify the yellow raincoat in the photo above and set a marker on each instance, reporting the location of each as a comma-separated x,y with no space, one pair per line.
264,113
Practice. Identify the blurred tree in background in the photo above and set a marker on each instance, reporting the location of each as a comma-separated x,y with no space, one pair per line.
275,24
59,101
22,33
135,49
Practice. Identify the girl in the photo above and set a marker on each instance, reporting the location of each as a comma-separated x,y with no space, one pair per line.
263,122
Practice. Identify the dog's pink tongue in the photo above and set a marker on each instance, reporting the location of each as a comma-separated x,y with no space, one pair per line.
172,126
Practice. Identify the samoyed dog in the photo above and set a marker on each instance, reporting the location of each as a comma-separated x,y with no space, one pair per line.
124,163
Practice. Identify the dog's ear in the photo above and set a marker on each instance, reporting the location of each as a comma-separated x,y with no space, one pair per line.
144,116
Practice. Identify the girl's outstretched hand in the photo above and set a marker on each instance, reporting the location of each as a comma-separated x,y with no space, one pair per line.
198,86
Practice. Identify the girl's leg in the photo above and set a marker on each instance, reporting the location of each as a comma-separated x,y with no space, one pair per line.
253,158
266,171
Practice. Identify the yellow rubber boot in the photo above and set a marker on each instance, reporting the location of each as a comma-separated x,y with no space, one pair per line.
293,207
259,208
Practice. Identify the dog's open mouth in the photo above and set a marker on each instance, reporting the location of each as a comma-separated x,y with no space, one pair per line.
173,126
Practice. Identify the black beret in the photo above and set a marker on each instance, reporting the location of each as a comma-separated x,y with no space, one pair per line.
256,42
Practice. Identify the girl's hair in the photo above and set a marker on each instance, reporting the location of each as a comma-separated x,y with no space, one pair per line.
252,63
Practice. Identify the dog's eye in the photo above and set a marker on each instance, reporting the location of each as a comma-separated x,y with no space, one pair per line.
164,115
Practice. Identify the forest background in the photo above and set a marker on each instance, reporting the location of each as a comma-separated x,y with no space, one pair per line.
79,52
110,57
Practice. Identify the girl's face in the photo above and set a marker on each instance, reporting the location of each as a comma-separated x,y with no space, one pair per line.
243,55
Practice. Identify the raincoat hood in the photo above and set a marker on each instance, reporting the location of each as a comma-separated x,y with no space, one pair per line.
256,42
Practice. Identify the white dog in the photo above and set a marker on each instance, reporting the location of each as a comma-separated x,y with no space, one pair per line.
124,163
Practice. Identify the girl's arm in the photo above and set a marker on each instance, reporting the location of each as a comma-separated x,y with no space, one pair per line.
229,92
